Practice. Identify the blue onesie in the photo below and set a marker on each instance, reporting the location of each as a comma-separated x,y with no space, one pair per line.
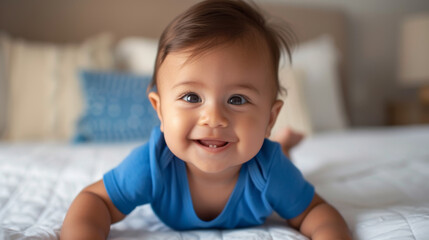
152,174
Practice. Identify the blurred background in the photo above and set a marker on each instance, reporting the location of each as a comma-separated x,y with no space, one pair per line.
382,48
375,33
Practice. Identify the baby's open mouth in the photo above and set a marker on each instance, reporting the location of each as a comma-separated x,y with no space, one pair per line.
212,143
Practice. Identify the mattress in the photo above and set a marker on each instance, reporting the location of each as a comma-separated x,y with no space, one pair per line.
377,178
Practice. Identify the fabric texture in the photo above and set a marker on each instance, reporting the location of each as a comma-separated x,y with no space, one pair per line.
152,174
44,98
116,108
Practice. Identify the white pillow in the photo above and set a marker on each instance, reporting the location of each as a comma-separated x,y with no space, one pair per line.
44,95
136,54
294,113
318,59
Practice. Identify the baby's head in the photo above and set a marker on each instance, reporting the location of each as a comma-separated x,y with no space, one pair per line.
217,83
213,23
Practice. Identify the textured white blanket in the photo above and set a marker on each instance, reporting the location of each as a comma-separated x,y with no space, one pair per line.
377,179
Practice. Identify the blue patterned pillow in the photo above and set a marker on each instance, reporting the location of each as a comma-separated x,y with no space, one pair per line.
116,108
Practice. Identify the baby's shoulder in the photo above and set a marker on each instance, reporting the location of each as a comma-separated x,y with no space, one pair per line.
152,150
262,164
270,152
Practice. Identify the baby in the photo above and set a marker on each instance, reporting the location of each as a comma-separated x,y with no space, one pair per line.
209,164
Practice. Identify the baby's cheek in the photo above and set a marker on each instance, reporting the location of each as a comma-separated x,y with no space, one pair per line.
176,120
251,143
177,127
253,131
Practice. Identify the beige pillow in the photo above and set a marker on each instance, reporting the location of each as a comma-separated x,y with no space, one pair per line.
44,96
294,113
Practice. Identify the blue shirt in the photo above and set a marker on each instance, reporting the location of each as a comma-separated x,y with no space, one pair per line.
152,174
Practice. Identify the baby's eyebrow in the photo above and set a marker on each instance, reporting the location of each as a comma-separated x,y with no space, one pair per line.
185,83
247,87
233,86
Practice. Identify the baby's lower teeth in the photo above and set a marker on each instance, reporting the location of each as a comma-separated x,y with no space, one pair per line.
212,146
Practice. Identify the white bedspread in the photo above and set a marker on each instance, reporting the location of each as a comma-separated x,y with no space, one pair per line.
377,178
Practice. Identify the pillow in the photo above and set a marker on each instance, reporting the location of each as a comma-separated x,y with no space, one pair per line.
44,98
136,55
318,59
294,113
116,108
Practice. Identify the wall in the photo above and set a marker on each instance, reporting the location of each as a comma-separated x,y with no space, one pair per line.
374,30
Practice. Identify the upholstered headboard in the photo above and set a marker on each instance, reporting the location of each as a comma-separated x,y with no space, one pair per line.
73,21
62,21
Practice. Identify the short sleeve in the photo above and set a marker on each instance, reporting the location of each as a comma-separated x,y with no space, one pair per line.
129,184
287,191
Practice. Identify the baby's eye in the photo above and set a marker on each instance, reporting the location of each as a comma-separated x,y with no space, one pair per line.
237,100
191,98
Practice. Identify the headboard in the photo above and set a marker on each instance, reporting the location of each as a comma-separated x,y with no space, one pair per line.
61,21
75,20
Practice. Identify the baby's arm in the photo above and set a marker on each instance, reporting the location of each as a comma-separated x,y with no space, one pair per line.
90,215
321,221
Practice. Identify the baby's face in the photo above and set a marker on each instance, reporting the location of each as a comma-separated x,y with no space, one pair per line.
217,108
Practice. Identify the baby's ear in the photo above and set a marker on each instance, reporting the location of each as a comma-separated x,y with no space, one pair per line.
155,100
275,110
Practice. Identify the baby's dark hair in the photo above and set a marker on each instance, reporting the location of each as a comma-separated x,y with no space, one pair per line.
213,23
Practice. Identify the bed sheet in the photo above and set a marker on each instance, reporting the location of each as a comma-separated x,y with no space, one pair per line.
377,178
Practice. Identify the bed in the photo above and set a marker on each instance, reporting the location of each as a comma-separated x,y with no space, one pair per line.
376,177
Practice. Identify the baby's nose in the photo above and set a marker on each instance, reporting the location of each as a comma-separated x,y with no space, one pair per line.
213,116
